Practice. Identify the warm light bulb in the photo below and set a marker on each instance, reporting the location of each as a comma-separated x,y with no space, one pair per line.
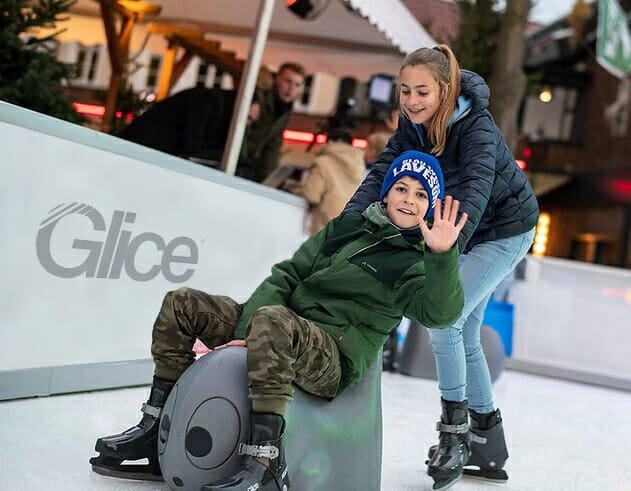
539,249
544,219
545,95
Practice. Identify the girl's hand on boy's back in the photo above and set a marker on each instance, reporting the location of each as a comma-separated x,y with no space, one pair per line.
444,233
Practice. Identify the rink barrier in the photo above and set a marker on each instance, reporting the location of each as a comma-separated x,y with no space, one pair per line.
568,374
48,381
96,230
572,320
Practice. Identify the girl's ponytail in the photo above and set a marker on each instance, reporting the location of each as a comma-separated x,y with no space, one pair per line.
445,69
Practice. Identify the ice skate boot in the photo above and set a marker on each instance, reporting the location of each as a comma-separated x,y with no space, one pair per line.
136,443
263,467
488,447
446,463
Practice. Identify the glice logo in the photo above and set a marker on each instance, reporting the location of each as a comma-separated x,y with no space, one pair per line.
107,258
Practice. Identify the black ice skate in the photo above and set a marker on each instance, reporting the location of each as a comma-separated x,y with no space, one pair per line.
488,447
263,467
136,443
446,463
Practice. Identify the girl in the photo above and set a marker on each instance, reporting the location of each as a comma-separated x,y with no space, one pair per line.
444,112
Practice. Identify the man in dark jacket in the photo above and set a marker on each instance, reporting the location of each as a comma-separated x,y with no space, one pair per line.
195,123
264,137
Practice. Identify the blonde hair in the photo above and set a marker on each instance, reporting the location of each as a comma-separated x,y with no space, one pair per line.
442,64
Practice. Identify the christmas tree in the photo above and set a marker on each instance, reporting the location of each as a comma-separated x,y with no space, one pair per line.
30,75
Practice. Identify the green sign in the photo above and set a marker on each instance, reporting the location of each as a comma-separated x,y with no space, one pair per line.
613,45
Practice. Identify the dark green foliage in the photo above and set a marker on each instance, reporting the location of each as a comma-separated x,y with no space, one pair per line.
477,35
127,102
30,75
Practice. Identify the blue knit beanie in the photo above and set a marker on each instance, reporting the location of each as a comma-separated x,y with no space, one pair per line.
420,166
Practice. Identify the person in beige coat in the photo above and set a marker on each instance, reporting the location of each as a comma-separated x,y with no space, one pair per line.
336,172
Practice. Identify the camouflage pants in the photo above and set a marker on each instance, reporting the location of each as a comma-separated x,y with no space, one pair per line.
282,346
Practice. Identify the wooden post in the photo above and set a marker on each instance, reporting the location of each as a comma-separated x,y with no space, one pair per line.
180,66
110,102
107,13
118,45
168,62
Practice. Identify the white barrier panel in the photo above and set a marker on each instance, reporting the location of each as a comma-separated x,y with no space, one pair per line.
573,320
95,230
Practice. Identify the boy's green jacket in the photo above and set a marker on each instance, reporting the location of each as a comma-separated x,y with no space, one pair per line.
355,279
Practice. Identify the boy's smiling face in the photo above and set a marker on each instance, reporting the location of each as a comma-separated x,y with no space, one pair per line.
406,201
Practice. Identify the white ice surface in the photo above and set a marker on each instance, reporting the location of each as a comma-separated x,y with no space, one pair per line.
561,436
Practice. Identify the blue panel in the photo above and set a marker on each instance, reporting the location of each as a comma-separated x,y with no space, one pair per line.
499,315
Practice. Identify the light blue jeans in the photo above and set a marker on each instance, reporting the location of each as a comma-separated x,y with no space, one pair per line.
460,363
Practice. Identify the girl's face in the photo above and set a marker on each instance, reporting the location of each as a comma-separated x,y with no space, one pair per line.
419,96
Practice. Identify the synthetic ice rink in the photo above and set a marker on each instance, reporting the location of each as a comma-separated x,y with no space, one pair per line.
561,436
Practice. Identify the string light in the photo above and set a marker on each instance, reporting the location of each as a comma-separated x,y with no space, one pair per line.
541,235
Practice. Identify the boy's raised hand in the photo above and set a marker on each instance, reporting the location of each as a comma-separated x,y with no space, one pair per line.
444,233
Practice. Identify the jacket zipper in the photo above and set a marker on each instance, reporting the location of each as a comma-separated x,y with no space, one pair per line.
371,245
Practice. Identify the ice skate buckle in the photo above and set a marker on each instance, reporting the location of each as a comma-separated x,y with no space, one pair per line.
461,428
477,438
151,410
267,451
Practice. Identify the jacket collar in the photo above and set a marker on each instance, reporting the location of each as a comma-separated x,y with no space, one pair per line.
376,215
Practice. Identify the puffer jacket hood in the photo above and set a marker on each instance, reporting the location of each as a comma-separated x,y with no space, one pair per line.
475,88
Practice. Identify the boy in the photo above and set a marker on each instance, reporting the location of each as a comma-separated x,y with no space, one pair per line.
319,320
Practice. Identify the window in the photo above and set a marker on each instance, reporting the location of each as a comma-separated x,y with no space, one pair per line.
93,64
152,75
77,71
202,71
552,120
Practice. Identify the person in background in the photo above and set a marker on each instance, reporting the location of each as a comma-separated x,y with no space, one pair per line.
264,137
376,143
392,121
444,112
195,122
336,172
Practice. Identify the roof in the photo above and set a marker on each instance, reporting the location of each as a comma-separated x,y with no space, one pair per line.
440,17
336,42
